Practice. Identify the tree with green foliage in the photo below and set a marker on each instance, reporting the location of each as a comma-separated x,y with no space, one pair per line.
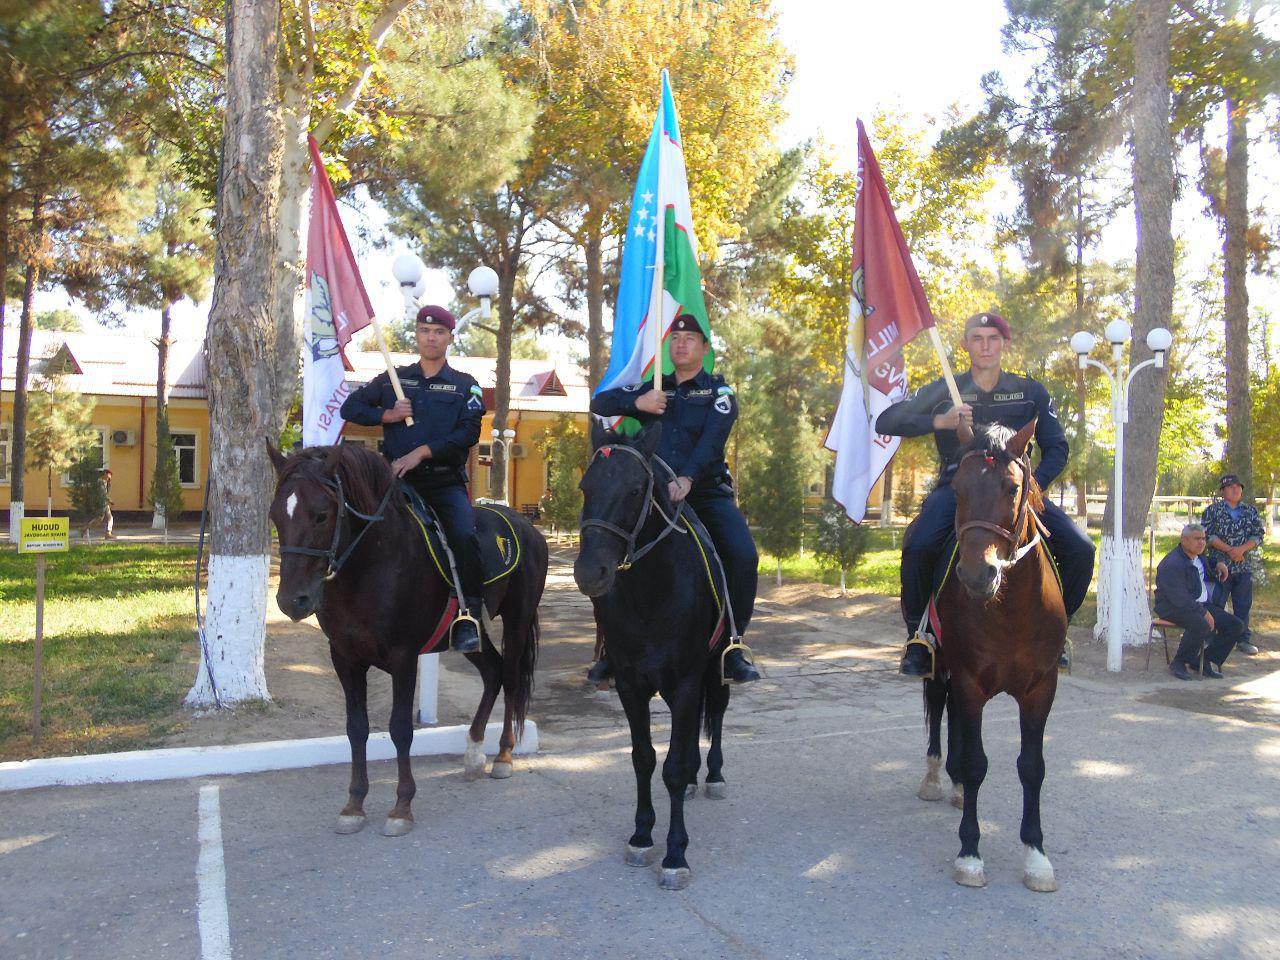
566,449
165,494
840,543
58,427
87,492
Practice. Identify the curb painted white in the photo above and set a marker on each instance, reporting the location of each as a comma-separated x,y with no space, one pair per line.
181,762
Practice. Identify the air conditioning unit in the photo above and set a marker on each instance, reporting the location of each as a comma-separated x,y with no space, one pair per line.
123,438
517,451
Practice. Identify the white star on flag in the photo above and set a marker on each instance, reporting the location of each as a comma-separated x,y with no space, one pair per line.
639,230
652,236
647,197
643,214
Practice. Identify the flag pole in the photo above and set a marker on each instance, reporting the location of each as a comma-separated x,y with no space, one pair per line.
391,370
657,308
963,430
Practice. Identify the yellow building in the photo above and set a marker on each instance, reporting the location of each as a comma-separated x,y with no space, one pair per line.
119,372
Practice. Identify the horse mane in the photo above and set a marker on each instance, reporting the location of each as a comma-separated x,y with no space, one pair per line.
991,440
365,475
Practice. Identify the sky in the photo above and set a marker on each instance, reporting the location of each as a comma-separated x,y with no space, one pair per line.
918,57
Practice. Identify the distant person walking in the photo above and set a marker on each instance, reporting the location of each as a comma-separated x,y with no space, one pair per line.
1234,530
108,521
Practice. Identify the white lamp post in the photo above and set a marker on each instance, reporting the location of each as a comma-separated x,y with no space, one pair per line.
1158,341
410,273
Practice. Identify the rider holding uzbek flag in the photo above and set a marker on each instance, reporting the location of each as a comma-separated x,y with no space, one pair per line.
661,284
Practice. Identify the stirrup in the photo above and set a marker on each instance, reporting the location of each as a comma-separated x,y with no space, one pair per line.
922,640
457,619
735,645
1070,651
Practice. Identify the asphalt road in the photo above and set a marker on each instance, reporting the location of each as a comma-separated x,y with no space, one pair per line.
1163,824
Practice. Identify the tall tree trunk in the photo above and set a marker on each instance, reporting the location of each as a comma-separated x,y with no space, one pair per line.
1153,296
22,367
4,277
162,399
1082,394
886,497
1239,446
291,261
597,349
502,373
241,348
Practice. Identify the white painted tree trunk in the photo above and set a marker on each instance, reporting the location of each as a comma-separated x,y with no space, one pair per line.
1135,615
779,573
16,513
234,632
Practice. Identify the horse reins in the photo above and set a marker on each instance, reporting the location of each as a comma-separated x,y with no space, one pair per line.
1014,535
334,560
632,554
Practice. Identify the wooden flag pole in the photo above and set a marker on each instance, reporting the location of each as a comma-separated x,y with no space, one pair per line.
963,431
391,370
657,307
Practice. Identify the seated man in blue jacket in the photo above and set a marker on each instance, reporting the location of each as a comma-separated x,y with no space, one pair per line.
1183,588
697,411
447,407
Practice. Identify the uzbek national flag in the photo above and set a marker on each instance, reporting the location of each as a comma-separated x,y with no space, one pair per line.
887,308
660,276
337,307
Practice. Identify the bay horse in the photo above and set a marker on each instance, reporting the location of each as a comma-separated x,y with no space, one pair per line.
352,553
650,579
1001,610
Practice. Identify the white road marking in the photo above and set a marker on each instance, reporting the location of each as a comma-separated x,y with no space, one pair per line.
211,876
290,504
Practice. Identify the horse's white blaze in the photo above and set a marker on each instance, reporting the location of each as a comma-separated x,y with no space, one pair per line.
290,505
1038,871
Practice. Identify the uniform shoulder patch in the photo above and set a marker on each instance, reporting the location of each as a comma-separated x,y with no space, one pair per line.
724,402
476,399
631,388
724,389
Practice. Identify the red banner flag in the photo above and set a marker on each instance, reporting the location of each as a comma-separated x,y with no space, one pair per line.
337,307
887,308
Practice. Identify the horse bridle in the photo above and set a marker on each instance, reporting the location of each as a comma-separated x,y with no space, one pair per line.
333,560
1012,536
632,555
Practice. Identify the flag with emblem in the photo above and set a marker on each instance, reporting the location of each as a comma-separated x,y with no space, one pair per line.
337,306
660,276
887,308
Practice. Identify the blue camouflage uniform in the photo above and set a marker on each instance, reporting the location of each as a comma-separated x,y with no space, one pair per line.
1014,402
447,411
695,427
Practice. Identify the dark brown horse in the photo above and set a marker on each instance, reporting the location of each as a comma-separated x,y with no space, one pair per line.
353,554
1003,627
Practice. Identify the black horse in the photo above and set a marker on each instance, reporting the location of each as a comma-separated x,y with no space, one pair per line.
647,564
353,554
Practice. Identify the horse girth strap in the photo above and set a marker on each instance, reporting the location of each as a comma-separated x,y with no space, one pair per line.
632,555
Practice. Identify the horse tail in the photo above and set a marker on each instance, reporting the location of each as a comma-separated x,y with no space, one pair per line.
523,691
715,698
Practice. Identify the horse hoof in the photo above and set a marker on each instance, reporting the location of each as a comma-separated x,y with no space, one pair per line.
968,872
350,824
930,789
501,770
639,856
1037,873
676,879
957,795
473,762
716,789
691,791
396,827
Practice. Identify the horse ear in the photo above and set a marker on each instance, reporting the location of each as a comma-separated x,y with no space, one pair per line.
647,442
330,463
600,434
278,459
1017,445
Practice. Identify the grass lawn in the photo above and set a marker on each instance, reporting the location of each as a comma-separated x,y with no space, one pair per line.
878,571
116,620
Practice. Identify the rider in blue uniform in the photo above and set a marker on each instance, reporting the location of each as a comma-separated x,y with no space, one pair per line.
447,407
989,395
697,413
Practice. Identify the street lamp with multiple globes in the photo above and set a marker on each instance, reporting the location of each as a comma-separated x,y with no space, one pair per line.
1118,333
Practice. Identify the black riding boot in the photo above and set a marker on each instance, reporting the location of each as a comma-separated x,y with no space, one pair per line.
916,661
737,669
466,637
601,671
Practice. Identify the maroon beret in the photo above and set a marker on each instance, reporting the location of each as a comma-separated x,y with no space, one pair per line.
688,322
433,314
990,321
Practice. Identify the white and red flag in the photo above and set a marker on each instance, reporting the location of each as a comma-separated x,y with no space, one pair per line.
887,308
337,307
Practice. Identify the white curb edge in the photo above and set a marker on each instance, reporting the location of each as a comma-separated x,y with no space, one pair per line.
181,762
